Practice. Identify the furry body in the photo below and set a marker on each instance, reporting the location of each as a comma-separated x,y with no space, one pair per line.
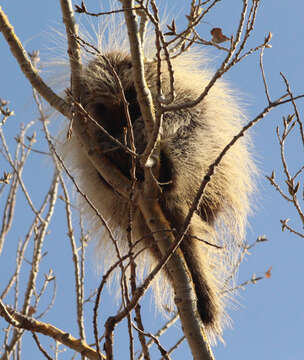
191,139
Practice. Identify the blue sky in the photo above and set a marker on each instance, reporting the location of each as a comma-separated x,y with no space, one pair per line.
268,322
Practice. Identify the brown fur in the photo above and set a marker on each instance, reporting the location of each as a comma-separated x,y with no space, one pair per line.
191,140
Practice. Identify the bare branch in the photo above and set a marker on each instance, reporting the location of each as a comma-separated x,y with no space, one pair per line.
143,93
27,68
36,326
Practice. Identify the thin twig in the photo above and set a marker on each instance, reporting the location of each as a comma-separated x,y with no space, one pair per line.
162,330
263,75
43,351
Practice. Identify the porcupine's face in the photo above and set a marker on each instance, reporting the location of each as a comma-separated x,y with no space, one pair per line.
101,97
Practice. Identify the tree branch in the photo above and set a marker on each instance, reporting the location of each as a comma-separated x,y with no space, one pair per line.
27,323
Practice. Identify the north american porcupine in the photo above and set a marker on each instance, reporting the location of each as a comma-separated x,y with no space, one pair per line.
191,139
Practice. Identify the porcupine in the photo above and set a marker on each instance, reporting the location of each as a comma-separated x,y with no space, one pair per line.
191,139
